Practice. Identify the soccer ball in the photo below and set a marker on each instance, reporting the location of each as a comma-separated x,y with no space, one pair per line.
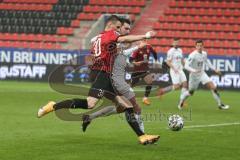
175,122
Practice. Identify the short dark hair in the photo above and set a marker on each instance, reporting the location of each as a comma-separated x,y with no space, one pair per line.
199,41
176,39
113,18
125,20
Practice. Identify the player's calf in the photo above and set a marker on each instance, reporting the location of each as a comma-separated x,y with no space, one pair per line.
216,96
145,99
70,103
184,95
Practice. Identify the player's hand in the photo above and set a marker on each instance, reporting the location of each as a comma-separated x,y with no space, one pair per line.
150,34
218,72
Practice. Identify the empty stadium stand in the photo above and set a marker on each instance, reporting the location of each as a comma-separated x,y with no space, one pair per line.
47,24
216,22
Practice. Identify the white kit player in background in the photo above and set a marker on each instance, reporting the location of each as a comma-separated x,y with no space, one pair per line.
175,61
195,65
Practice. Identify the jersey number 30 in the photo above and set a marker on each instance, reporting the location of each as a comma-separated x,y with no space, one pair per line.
97,47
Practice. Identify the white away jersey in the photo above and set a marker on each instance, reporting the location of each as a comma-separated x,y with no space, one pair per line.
176,56
197,60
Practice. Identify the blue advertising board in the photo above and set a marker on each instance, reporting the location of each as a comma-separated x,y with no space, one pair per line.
30,64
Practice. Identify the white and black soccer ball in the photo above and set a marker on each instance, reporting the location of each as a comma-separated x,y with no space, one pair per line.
175,122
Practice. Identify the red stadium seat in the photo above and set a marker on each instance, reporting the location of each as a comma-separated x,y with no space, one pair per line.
164,42
161,19
158,49
238,36
172,4
160,33
217,21
236,12
181,4
226,44
154,42
112,10
135,10
75,23
156,26
87,9
238,52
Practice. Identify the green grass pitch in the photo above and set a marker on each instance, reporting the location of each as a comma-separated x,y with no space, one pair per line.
23,136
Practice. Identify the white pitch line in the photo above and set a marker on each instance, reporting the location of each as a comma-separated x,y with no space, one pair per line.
212,125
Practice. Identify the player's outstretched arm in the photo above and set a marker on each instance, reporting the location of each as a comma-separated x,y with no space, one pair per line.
133,38
128,52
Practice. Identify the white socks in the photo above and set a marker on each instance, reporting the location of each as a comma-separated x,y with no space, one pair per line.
216,97
184,94
106,111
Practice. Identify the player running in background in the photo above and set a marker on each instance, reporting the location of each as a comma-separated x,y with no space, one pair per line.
119,81
140,59
104,49
175,61
195,65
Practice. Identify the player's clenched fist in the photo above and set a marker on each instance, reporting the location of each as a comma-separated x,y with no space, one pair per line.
150,34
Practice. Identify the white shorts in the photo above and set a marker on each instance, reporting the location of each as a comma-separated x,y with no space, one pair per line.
178,78
195,79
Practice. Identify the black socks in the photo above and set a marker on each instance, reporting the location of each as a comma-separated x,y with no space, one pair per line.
129,113
147,90
72,103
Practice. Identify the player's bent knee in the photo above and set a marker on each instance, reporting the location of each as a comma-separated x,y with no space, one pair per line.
123,102
124,105
137,109
210,85
184,85
92,102
149,82
148,79
120,109
176,86
213,87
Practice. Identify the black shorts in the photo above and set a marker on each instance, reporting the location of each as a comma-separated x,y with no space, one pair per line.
136,76
101,85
